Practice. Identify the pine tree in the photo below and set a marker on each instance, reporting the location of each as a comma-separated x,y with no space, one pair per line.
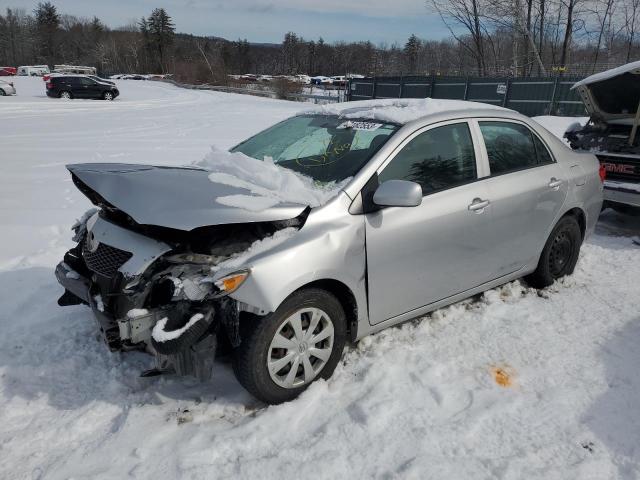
160,32
47,27
411,52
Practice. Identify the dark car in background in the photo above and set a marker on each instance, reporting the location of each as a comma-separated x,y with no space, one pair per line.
80,86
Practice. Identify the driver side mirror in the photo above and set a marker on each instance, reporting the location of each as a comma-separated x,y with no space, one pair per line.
398,193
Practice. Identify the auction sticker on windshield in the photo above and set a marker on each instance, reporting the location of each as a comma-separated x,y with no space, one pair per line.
359,125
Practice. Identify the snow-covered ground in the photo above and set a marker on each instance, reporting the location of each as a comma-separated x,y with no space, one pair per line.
514,384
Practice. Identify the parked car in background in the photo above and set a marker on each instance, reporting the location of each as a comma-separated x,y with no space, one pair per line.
6,88
453,198
80,86
8,71
320,80
339,81
612,99
133,77
33,70
99,79
78,69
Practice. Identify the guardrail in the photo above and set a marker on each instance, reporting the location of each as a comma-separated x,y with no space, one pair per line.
529,96
300,97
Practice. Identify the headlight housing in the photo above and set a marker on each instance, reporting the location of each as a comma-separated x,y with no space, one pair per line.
231,282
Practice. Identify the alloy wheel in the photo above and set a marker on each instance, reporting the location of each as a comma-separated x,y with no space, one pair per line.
300,348
108,96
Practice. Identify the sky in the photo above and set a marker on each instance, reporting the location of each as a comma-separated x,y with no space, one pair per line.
268,20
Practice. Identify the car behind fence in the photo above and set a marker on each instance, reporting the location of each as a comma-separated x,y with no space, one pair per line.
530,96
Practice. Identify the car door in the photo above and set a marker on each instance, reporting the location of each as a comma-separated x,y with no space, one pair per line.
419,255
526,188
91,88
76,87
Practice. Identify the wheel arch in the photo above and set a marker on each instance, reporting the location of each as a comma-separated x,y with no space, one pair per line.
346,298
580,217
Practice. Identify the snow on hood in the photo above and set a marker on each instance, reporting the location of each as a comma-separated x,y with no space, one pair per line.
633,67
268,183
398,110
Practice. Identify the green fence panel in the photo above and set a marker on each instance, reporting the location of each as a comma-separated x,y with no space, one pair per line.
530,96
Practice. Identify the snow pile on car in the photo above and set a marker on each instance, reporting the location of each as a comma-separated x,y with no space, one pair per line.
268,183
259,246
398,110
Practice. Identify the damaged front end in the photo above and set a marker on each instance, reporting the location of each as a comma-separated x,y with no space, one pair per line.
161,290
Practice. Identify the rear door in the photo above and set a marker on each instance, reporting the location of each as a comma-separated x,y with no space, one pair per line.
527,189
77,89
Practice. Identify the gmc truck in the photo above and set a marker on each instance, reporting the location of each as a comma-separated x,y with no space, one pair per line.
612,99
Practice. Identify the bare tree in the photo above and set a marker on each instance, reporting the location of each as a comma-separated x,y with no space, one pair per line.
468,14
631,12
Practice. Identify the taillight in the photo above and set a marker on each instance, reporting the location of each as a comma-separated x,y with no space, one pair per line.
603,173
49,85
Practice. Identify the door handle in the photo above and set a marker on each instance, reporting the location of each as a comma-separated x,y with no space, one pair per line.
478,205
554,183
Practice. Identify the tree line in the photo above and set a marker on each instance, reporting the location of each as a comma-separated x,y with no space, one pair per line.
487,37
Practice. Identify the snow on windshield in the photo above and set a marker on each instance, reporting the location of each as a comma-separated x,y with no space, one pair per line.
397,110
268,183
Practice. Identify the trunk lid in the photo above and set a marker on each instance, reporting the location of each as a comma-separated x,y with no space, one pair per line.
612,95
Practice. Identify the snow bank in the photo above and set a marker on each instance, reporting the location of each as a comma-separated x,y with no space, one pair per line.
633,67
269,183
398,111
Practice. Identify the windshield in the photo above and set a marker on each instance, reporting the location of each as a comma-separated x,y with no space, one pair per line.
325,148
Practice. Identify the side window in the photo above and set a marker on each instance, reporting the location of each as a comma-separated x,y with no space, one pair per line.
510,146
87,81
440,158
544,157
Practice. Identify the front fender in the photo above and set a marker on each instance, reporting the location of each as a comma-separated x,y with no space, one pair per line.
323,249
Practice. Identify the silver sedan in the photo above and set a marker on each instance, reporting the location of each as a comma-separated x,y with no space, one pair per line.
7,88
435,202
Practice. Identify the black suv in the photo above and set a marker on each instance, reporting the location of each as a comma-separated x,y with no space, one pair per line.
79,86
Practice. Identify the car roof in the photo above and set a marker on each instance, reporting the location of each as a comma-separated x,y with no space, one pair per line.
406,110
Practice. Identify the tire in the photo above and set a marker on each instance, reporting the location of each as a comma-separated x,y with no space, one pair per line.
2,93
312,360
107,96
560,253
66,95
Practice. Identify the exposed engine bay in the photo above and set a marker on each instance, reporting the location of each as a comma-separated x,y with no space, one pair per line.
155,289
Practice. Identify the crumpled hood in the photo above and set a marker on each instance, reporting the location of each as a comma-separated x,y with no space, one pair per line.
182,198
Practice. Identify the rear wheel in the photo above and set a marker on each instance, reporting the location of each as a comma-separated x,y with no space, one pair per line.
107,96
2,93
283,353
65,94
560,253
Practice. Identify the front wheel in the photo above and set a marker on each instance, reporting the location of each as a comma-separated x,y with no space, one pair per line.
107,96
560,253
284,352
